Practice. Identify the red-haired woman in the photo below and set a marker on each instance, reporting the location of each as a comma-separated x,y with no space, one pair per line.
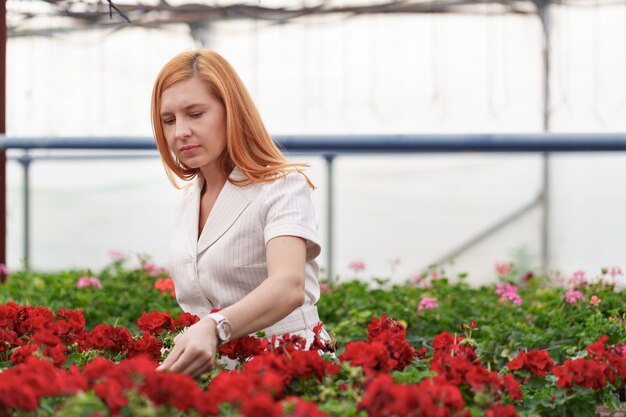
245,237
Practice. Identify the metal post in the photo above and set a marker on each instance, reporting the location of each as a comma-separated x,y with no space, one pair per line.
25,161
329,214
544,14
3,159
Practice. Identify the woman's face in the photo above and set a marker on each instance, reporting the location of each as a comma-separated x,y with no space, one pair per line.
194,124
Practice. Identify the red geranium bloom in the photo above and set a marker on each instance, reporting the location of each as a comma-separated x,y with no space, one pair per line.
185,320
244,347
155,322
261,405
147,345
499,410
586,373
537,362
373,357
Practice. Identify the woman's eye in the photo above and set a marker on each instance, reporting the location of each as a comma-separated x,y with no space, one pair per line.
196,114
168,122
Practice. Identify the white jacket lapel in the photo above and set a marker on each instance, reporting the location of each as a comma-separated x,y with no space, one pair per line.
230,204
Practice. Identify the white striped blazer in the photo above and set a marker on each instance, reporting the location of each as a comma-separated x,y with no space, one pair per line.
228,260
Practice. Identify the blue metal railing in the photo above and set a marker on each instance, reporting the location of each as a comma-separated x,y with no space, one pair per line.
330,146
372,144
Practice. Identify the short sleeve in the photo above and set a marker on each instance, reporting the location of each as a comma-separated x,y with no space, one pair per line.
289,212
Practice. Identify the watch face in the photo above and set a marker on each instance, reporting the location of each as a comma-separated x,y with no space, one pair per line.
224,331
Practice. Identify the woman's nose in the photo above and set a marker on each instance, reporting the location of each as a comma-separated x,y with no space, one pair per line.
182,130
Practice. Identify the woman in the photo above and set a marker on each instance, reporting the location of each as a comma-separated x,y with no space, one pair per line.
245,237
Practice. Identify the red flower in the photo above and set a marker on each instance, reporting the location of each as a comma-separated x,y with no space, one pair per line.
112,393
304,364
244,347
262,405
167,388
499,410
23,399
383,398
46,336
511,385
97,368
155,322
166,285
22,353
56,353
537,362
148,345
30,319
303,408
8,340
74,317
586,373
8,315
185,320
104,336
373,357
445,340
318,344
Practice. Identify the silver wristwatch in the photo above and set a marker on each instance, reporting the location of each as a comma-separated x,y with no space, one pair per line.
223,329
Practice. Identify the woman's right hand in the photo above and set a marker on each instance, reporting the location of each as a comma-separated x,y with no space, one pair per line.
194,350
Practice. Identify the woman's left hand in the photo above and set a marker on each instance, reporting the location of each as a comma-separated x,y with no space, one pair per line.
194,350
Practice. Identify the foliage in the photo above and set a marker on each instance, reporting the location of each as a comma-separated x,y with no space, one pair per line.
126,292
78,344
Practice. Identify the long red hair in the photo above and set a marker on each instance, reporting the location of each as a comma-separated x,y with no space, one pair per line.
248,144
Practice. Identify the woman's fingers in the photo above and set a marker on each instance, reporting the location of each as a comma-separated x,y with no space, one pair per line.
198,368
171,358
194,351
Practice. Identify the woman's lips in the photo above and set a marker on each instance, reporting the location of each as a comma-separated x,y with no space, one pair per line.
188,148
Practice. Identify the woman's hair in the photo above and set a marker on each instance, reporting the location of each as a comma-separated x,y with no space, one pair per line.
248,144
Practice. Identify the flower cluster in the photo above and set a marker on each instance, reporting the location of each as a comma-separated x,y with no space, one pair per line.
572,296
604,364
35,331
165,285
537,362
508,292
49,362
427,303
385,350
503,268
86,281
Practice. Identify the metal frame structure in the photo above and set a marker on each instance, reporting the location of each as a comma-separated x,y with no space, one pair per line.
330,147
198,16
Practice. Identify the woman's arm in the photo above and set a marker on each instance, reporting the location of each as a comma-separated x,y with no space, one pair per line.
276,297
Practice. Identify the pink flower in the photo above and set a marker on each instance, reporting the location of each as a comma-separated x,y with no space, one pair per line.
508,292
86,281
117,255
595,300
152,269
613,271
324,288
3,269
577,279
511,296
421,280
357,266
572,296
503,268
506,288
427,303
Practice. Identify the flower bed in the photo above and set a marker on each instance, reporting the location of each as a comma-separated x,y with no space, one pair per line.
522,347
